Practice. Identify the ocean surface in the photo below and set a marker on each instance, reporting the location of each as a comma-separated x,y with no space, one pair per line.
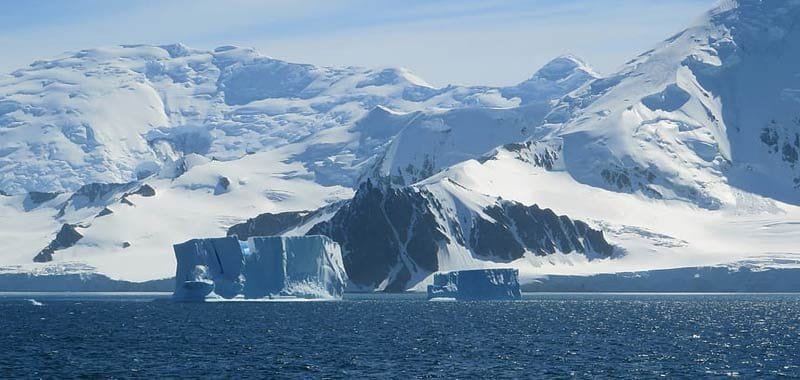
401,336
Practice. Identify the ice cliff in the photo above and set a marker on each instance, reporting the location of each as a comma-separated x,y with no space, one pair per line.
477,284
307,267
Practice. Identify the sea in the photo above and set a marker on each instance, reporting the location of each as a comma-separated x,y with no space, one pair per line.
401,336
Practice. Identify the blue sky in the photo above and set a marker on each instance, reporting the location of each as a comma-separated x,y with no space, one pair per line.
494,42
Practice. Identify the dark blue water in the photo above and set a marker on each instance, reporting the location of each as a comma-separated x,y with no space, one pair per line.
553,335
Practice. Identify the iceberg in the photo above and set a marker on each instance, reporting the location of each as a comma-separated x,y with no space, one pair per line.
477,284
299,266
264,267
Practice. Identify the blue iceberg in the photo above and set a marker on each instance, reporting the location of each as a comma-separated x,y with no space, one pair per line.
477,284
308,267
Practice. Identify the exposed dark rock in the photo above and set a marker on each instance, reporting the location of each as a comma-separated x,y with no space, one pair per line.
40,197
36,198
495,239
385,231
618,179
268,224
223,185
790,154
3,193
95,191
125,201
105,211
633,179
414,174
543,155
94,195
126,244
145,191
519,228
783,140
65,238
770,138
392,235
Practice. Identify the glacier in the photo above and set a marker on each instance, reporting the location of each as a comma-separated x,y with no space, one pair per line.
476,284
265,267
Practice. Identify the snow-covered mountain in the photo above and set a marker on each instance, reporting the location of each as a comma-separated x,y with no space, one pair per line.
215,137
115,115
687,156
395,237
710,113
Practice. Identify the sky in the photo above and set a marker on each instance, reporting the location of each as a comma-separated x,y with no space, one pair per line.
467,42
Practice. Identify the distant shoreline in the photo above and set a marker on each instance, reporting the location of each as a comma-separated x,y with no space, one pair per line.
700,280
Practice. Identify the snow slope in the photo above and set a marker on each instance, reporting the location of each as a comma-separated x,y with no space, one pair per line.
686,157
181,209
113,115
708,113
216,136
655,234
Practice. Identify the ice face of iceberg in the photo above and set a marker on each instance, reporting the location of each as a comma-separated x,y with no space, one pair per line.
478,284
266,269
300,266
263,267
206,265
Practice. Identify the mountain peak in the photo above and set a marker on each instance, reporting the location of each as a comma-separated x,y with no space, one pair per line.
564,66
560,76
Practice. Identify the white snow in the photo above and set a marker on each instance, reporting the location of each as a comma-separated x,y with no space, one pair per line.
113,115
102,115
655,234
683,158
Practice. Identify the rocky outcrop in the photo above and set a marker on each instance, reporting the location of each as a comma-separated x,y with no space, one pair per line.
145,191
105,211
517,229
223,186
36,198
268,224
65,238
387,234
95,195
391,237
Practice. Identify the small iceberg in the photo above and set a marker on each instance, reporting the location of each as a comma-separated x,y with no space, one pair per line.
476,284
263,268
35,302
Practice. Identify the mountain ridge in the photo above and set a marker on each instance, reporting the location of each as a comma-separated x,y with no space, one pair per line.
685,157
